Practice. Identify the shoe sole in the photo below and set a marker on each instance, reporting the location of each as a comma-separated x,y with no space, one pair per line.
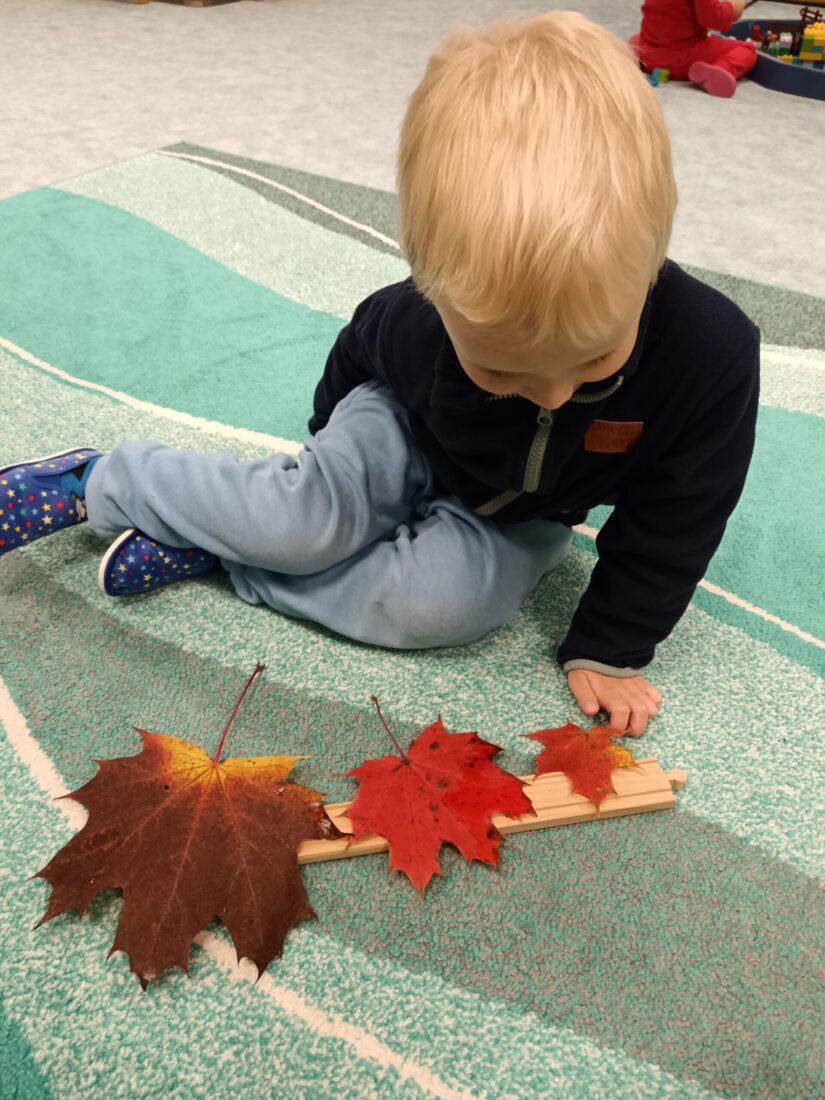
715,81
106,559
47,458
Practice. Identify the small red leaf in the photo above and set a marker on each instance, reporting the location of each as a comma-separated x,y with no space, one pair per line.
586,758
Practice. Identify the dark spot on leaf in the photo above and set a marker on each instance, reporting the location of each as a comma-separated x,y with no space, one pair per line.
443,783
434,745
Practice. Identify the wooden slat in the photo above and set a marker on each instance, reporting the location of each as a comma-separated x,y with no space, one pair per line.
640,789
612,806
553,788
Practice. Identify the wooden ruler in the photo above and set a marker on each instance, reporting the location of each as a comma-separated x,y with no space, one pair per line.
639,789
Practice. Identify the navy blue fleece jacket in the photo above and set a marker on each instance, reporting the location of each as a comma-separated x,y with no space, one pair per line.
667,440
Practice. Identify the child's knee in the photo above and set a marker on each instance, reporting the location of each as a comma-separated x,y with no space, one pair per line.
444,617
745,58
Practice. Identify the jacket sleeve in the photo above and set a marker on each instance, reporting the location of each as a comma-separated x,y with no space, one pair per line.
357,356
714,15
656,546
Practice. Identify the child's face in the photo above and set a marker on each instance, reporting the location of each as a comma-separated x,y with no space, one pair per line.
548,374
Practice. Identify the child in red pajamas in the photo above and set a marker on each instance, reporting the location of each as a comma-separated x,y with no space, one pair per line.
674,36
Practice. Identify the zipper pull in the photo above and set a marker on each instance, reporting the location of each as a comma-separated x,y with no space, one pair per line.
545,417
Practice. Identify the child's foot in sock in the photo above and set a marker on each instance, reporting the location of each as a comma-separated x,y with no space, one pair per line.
43,495
715,81
134,564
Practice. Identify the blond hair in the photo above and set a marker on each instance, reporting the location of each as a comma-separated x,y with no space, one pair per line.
535,180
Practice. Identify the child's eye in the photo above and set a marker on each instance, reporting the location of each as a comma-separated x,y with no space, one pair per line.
494,373
601,359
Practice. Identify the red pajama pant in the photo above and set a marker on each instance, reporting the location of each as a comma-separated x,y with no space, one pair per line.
737,58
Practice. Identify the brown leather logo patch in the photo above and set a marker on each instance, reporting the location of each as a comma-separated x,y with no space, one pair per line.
613,436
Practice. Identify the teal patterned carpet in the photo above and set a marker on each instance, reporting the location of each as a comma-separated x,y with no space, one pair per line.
191,296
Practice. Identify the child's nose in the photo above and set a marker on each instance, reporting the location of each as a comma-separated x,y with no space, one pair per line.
551,396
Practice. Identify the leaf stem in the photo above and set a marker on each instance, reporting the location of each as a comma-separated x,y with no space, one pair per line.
389,731
258,669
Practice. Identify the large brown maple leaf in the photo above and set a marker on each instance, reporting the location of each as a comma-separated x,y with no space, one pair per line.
188,838
444,789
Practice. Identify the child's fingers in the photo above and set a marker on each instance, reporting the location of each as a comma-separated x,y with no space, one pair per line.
631,713
628,703
620,716
583,691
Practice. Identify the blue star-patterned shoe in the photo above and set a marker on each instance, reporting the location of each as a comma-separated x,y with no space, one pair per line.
43,495
134,564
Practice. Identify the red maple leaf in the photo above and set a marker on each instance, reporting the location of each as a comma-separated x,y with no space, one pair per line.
443,790
586,758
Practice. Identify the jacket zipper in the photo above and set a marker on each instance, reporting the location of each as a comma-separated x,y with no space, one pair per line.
532,469
538,449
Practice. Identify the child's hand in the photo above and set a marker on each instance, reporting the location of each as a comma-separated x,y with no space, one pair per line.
629,701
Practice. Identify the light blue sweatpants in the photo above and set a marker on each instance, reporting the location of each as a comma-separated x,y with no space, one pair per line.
351,535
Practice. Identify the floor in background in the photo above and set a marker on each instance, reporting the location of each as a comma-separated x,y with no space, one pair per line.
322,84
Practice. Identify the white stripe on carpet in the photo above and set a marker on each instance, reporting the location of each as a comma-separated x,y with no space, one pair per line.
364,1044
214,427
287,190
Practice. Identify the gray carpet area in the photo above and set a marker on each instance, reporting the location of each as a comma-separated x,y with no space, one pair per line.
321,85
